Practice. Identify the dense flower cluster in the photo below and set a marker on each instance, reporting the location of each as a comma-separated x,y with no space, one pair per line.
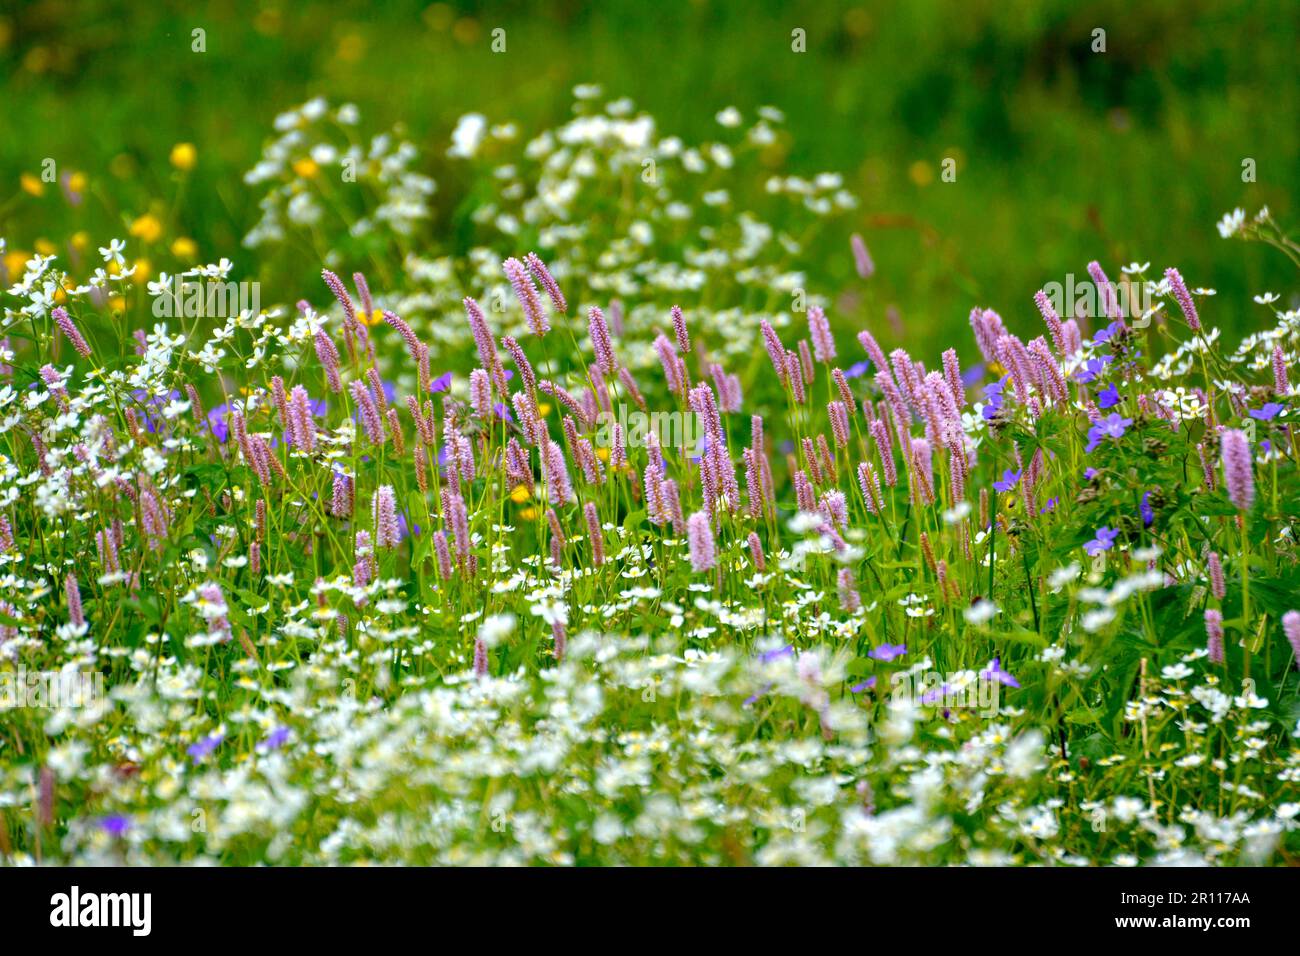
401,573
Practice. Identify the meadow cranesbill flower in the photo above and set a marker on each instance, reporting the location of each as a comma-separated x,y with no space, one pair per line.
1184,298
206,746
1108,397
1104,540
888,652
1146,511
1113,425
1092,368
995,672
1267,412
1238,474
1009,480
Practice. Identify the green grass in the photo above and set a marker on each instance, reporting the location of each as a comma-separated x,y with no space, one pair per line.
1063,155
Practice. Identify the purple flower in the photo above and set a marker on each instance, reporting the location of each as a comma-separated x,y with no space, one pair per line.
995,672
1050,506
219,423
1092,368
205,746
973,374
115,825
865,685
1112,426
1103,542
441,384
1090,473
888,652
752,699
1148,513
857,369
1108,397
1270,411
1009,480
276,738
768,657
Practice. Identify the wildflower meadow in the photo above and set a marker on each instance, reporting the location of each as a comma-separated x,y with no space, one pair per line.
615,545
604,526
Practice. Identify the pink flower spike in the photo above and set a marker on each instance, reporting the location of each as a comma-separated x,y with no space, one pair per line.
1184,298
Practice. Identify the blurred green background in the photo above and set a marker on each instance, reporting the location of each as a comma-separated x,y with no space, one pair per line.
1063,155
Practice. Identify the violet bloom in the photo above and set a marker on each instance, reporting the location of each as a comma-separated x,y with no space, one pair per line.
1112,426
888,652
1104,541
1009,480
275,739
115,825
441,384
768,657
867,684
1147,512
1092,368
1108,397
218,423
206,746
996,673
1269,412
1050,506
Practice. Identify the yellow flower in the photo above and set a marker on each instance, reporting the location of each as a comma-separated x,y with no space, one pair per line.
31,185
81,241
15,261
185,248
528,514
602,454
148,228
519,495
543,408
374,318
306,168
77,182
921,173
184,156
143,270
117,304
45,247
